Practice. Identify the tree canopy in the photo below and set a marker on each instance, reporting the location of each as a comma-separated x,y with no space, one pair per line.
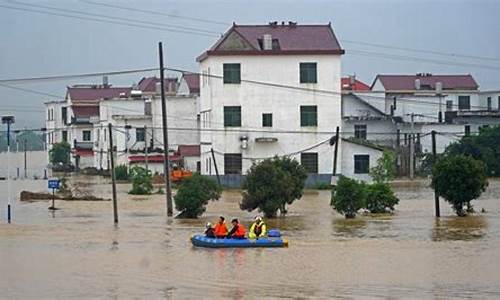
60,153
193,195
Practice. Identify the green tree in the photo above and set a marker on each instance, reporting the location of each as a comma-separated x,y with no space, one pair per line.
272,184
60,153
380,198
121,172
193,195
348,196
142,181
459,179
385,170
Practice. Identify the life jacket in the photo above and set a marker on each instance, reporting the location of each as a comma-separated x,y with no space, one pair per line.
220,229
240,231
258,229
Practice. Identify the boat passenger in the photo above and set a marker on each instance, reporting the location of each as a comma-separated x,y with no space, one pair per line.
220,228
238,230
258,229
209,230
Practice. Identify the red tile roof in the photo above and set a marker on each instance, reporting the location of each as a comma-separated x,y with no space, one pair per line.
85,111
189,150
83,152
357,86
96,93
149,84
407,82
292,39
152,158
193,82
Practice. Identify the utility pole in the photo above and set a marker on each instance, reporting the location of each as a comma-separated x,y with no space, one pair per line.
25,159
127,138
215,165
335,152
412,146
166,161
146,146
8,120
434,157
113,176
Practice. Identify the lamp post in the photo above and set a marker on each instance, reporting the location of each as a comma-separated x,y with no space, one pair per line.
8,120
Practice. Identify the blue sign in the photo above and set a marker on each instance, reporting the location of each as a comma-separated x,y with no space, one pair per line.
54,183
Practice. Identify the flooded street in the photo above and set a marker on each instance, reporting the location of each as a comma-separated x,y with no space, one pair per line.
77,252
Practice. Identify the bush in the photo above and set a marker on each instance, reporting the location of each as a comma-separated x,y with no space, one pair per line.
380,198
348,196
193,195
459,179
121,172
60,154
142,181
385,169
272,184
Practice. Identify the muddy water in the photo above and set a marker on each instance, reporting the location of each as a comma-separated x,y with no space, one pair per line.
78,253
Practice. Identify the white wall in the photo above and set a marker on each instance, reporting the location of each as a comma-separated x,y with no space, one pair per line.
256,99
349,150
495,99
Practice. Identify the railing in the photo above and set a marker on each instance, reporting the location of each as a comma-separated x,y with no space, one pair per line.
84,145
80,120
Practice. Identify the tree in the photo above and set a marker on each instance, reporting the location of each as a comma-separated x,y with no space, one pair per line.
60,154
380,198
142,181
193,195
459,179
385,170
272,184
348,196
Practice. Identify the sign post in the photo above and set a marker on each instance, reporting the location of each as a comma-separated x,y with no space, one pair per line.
54,185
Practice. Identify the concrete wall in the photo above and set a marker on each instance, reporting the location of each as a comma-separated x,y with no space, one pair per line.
348,152
256,99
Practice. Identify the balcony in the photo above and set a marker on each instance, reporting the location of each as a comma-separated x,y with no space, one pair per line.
83,145
80,121
449,116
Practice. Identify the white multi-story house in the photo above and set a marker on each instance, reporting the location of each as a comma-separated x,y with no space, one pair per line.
252,99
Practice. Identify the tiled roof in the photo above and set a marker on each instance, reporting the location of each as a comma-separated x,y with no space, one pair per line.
288,39
427,82
85,111
159,158
193,82
148,84
357,86
97,92
189,150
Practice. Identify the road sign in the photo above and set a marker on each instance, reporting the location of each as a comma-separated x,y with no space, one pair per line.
54,183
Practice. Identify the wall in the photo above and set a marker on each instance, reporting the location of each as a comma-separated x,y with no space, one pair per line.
495,99
348,152
256,99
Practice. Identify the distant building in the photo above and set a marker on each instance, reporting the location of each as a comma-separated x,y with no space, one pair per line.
241,118
352,84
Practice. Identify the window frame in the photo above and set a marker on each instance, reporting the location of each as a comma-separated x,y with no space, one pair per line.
460,104
467,130
305,72
231,120
267,120
363,131
305,116
488,103
138,132
228,72
89,135
310,161
361,158
449,105
235,161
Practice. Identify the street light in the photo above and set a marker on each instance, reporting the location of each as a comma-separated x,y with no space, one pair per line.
8,120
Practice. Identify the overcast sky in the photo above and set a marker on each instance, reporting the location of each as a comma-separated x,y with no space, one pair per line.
34,44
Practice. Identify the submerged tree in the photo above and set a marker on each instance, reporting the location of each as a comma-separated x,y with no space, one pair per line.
272,184
348,196
60,154
380,198
193,195
142,181
459,179
385,170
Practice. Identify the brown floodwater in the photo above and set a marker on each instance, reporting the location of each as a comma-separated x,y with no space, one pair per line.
77,252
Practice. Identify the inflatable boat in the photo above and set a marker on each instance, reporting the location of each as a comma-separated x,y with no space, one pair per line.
272,240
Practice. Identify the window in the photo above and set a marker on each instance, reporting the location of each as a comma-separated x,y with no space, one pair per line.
308,116
449,105
267,120
64,115
360,132
140,135
361,164
232,163
86,135
463,102
498,102
232,116
467,129
310,162
308,73
232,73
489,103
64,136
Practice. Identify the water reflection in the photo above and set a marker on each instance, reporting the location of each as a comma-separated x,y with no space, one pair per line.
349,228
460,228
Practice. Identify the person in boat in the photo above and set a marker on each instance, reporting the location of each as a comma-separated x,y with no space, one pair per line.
238,230
209,230
258,229
220,228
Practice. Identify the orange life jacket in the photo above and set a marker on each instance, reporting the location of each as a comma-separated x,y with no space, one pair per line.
240,231
220,229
